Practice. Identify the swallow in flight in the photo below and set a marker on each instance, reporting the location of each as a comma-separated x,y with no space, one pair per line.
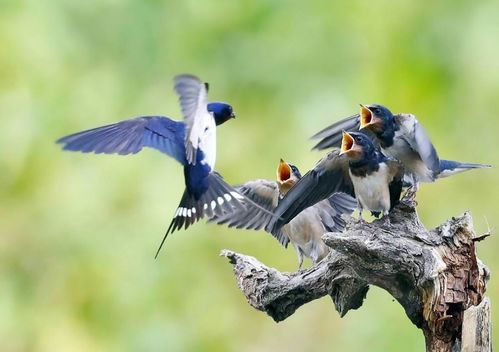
192,142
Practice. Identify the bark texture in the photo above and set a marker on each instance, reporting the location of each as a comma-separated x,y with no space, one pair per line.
434,274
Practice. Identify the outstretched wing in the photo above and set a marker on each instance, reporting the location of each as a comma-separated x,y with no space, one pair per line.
193,98
264,193
415,135
329,176
330,137
130,136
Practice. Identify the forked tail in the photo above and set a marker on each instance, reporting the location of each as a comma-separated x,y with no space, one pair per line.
219,199
451,167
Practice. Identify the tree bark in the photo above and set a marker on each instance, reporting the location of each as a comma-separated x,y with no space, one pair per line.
434,274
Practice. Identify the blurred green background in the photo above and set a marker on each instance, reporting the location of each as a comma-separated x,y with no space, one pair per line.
79,232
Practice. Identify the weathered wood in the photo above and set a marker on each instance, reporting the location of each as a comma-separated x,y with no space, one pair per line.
434,275
477,328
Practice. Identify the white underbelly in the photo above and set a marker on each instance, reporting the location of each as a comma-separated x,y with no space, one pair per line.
208,145
372,190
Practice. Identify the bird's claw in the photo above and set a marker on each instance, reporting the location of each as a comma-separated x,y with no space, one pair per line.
300,270
410,195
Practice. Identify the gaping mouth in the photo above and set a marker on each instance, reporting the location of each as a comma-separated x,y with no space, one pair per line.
366,116
283,171
347,143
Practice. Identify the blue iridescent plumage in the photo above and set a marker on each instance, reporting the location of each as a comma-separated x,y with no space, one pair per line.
192,142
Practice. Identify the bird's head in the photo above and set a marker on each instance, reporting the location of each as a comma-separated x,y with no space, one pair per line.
374,117
356,145
221,112
287,176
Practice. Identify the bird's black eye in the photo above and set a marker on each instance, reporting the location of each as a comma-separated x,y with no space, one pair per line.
377,111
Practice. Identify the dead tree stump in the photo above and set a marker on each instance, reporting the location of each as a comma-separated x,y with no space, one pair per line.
434,274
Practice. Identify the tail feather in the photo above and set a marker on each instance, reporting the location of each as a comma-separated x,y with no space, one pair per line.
164,239
451,167
219,199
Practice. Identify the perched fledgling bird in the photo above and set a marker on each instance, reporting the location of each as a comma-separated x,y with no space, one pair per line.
400,136
306,229
192,142
358,169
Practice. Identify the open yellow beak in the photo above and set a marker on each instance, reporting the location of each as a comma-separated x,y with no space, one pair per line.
347,143
283,171
367,118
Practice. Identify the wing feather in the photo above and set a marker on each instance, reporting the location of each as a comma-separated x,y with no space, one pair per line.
130,136
265,194
193,98
395,183
329,176
415,135
330,137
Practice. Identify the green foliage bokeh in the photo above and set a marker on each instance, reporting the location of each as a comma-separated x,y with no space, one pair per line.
78,232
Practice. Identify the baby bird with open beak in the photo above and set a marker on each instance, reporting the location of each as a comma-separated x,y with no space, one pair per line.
358,169
399,136
304,231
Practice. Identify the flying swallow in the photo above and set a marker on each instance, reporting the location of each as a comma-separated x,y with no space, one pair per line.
306,229
400,136
358,169
192,142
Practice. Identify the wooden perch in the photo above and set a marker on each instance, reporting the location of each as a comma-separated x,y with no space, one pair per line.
435,275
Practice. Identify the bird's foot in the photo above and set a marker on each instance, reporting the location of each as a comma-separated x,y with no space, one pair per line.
361,221
410,194
300,270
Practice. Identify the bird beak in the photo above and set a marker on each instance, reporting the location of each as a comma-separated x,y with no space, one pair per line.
285,181
283,171
232,115
367,118
348,145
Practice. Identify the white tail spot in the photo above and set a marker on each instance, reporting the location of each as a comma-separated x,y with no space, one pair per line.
189,212
213,204
184,212
205,206
177,212
227,197
236,195
194,210
220,200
